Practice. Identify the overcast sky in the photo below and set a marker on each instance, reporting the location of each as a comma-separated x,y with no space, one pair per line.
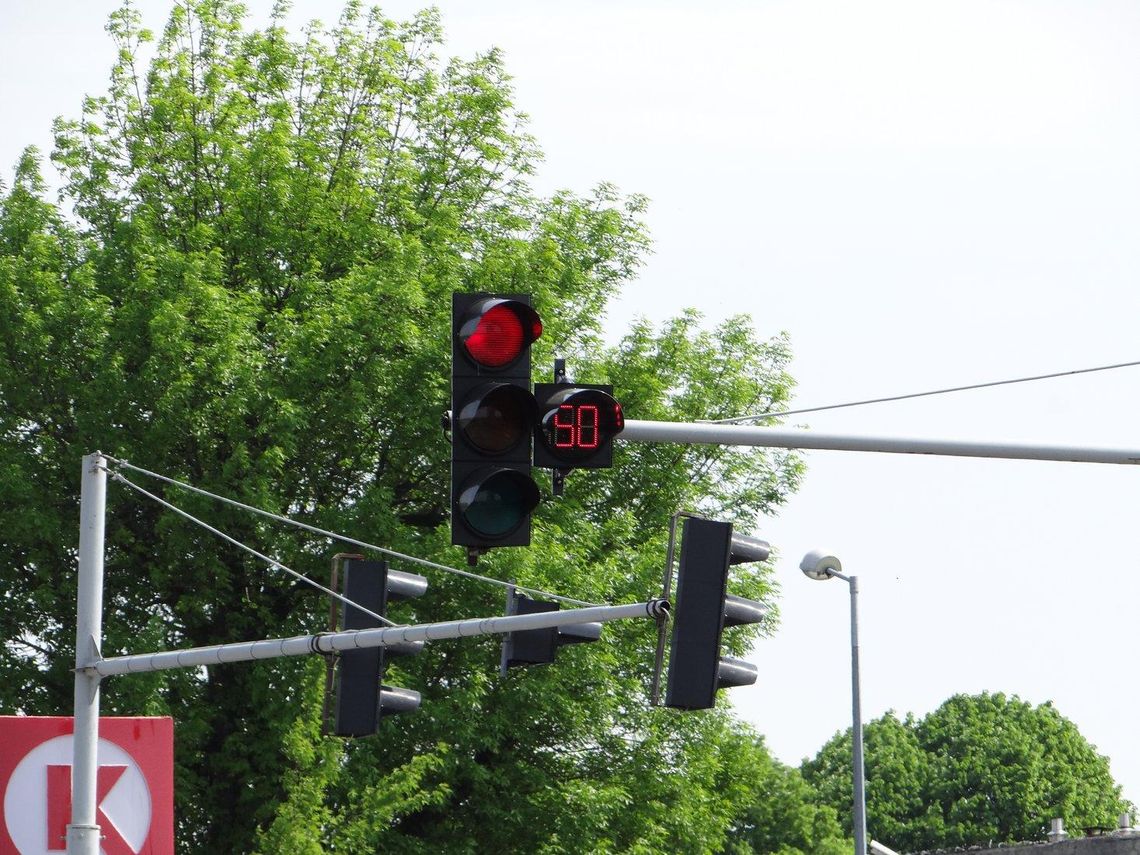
922,195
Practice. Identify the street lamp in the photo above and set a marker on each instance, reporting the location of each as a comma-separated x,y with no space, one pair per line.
821,565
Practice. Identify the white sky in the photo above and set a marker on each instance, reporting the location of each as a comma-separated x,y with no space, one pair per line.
922,195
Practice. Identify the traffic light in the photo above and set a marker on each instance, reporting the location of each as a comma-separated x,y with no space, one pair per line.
492,418
538,646
361,697
576,425
703,608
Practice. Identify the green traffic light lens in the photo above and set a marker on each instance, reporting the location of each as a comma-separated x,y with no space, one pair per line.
496,504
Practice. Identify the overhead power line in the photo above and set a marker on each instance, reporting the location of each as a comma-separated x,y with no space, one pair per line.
800,412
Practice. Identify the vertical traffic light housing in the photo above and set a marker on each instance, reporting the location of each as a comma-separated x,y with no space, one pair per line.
361,696
703,609
492,418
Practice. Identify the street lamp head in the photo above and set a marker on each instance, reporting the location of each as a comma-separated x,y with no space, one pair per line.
819,564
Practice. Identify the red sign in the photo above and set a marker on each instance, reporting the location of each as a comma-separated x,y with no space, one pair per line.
134,785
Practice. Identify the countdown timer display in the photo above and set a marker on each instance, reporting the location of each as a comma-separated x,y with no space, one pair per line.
576,424
575,427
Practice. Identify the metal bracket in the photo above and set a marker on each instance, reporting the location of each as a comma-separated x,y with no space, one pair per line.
558,480
558,476
663,619
512,609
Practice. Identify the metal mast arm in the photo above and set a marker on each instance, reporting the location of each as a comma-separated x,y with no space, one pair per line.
301,645
767,437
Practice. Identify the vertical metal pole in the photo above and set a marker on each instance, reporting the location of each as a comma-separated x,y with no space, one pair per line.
83,831
663,621
512,609
857,727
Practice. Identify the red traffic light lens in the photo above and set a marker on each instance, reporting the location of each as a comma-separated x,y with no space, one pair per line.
497,417
498,339
498,331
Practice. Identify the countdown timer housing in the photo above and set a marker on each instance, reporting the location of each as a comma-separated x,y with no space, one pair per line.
576,425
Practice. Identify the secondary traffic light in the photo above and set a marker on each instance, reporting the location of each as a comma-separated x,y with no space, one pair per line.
576,425
703,608
361,697
492,418
538,646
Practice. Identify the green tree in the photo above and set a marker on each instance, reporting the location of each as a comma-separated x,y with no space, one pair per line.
980,769
785,816
1002,768
897,773
247,286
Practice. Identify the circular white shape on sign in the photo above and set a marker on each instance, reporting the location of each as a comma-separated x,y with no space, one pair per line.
127,804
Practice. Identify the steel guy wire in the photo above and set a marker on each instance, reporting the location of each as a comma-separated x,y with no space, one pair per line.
270,561
738,419
349,540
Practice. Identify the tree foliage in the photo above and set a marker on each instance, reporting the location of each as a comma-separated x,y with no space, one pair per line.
980,770
246,285
785,816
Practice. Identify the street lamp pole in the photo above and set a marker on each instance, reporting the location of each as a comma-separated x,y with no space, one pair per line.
857,723
822,565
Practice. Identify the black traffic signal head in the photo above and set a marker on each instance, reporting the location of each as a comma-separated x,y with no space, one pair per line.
361,697
538,646
576,425
703,608
493,413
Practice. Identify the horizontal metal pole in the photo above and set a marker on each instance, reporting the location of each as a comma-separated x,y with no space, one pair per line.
301,645
767,437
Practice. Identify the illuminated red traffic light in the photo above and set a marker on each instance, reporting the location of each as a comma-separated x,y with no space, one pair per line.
495,332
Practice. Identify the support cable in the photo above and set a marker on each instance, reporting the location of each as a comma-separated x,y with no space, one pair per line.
344,538
274,564
739,419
